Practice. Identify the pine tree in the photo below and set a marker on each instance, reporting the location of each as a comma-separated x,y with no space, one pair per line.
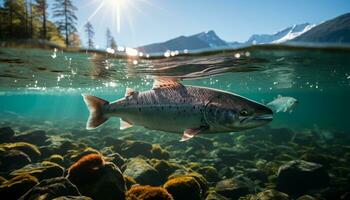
64,11
42,10
113,43
14,11
108,37
90,34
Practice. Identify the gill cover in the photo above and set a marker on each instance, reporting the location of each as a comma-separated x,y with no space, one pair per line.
218,113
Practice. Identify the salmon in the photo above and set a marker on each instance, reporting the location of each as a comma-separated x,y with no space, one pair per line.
172,107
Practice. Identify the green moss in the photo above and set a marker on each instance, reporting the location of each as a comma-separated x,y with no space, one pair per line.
30,149
165,168
158,152
43,170
148,193
56,158
185,187
129,181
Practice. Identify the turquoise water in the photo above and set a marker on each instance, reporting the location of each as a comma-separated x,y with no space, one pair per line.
46,84
303,152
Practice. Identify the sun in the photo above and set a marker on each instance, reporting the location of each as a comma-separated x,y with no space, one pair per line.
112,9
116,6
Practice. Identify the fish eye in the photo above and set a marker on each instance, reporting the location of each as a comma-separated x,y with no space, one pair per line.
243,112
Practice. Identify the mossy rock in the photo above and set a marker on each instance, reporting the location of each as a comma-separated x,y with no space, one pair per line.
148,193
209,173
56,158
43,170
97,179
17,186
267,195
129,181
143,172
30,149
158,152
165,168
12,160
185,187
78,155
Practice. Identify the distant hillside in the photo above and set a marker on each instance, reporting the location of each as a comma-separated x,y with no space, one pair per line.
336,30
202,40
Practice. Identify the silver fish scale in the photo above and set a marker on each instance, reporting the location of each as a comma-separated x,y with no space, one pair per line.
167,109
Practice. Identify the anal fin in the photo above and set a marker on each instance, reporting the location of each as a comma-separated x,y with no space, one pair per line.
124,124
191,132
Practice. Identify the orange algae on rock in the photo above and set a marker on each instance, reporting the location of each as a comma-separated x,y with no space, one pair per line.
184,187
148,193
86,168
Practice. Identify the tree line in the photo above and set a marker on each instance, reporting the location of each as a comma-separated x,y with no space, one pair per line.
29,19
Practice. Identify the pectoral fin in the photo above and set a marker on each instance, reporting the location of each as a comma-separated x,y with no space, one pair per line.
124,124
191,132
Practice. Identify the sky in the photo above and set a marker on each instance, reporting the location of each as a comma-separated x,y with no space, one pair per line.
148,21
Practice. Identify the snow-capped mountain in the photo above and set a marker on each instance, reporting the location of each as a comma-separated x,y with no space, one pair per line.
281,36
210,40
203,40
335,31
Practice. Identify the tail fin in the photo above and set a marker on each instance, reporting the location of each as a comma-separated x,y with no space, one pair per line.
94,105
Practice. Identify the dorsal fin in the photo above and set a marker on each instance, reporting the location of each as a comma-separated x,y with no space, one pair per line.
166,82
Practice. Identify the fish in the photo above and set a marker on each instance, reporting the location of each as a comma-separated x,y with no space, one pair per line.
173,107
283,104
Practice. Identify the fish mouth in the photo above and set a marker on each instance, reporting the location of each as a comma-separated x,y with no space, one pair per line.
264,117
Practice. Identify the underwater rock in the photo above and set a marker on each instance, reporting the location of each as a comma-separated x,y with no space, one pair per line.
13,159
164,168
72,198
298,176
77,155
306,197
97,179
203,183
148,193
281,135
185,187
212,195
142,172
267,195
117,159
56,158
6,134
135,148
159,153
17,186
37,137
231,188
31,150
113,142
51,188
256,174
315,157
43,170
129,181
209,173
65,146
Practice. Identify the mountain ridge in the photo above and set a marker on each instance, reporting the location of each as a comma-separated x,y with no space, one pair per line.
336,29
